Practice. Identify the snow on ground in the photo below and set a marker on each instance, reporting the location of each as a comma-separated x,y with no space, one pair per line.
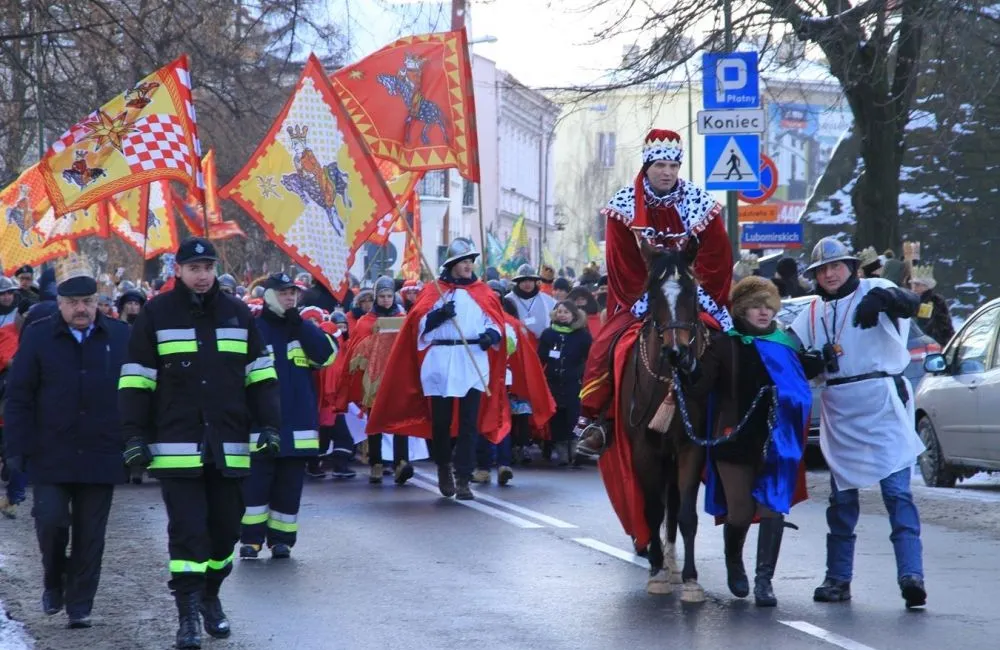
12,633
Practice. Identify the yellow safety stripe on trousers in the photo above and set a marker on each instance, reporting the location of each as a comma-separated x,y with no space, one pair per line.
175,455
219,565
187,566
283,522
261,375
594,385
135,375
254,515
305,439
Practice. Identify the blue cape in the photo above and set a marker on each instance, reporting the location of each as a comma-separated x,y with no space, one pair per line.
775,484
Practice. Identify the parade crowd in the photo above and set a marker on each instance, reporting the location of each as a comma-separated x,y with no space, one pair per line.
232,396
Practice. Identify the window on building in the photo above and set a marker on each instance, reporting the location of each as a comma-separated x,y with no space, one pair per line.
468,193
606,149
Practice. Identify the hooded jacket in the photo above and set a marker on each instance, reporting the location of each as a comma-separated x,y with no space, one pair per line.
563,351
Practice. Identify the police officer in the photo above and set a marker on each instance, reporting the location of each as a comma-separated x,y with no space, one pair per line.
197,371
274,489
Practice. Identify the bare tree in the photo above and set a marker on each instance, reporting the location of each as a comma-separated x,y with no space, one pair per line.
873,48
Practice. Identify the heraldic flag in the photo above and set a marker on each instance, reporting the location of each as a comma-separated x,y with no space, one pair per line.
403,185
413,103
90,221
310,184
147,133
143,218
23,203
194,212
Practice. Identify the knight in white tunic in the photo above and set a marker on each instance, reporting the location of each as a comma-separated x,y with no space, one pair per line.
856,333
534,308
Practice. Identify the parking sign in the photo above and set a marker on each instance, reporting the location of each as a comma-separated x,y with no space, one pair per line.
730,80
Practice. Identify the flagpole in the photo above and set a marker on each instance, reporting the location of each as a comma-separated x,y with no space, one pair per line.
482,227
423,259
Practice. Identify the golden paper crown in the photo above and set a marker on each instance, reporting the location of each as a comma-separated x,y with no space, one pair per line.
924,274
73,266
868,256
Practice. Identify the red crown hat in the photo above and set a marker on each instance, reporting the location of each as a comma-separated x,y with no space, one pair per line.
313,313
661,144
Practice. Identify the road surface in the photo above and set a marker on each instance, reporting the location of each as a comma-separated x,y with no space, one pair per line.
539,564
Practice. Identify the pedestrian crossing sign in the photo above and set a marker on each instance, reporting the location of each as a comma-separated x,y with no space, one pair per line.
732,162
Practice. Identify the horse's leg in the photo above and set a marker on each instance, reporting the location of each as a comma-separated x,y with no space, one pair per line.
670,549
406,129
690,460
649,472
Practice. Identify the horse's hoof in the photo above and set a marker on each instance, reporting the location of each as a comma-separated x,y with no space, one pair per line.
670,564
692,592
659,585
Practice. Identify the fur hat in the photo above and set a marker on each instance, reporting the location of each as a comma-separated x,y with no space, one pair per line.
751,291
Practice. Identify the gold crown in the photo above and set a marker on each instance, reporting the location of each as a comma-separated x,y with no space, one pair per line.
923,272
868,256
73,266
297,132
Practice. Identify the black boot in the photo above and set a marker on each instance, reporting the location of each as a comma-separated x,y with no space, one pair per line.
189,623
768,546
736,574
446,480
216,623
464,491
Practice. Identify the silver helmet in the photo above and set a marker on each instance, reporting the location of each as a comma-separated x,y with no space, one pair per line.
385,284
526,272
827,250
462,248
6,285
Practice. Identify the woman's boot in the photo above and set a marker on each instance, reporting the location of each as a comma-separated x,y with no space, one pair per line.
768,546
736,574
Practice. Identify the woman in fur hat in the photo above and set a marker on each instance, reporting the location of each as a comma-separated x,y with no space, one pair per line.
755,373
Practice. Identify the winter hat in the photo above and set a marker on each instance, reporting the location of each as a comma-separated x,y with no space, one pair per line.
923,274
548,273
895,271
313,313
661,144
752,291
786,267
562,284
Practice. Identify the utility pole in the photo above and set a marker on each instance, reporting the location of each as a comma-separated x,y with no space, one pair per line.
732,208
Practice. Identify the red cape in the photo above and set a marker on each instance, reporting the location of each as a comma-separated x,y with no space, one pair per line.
350,384
400,405
328,379
615,465
529,376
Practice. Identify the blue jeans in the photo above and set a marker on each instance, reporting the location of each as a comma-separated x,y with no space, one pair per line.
842,517
489,455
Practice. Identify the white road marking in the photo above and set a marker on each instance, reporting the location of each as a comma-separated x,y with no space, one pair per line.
493,512
513,507
613,551
826,635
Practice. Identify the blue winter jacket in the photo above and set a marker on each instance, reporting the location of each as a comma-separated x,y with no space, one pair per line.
298,351
61,414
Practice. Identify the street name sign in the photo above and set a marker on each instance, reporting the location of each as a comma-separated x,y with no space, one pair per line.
730,122
771,235
758,213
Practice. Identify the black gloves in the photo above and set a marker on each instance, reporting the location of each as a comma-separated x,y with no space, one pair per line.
894,302
812,363
488,339
438,316
268,443
293,316
137,453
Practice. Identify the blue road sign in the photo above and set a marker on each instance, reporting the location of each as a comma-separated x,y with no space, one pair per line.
732,162
730,80
771,235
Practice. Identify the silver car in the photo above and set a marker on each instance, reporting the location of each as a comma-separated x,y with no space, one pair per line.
958,402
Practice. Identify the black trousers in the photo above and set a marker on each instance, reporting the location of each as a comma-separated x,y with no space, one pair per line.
400,449
464,452
563,422
272,495
204,524
80,511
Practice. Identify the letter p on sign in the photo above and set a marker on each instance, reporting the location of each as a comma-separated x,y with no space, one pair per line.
730,74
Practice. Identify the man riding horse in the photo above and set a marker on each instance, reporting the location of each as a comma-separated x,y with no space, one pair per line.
669,212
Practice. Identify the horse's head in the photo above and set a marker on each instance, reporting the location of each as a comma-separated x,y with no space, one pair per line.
673,296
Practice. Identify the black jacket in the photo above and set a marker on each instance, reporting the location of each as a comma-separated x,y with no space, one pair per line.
198,373
61,414
563,352
933,317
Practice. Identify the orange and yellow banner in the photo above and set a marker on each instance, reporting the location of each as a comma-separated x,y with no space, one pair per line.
193,212
143,218
310,184
145,134
23,204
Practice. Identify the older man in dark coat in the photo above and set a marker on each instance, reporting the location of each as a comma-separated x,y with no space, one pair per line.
62,426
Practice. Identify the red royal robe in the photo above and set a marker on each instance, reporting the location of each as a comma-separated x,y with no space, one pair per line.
528,376
400,406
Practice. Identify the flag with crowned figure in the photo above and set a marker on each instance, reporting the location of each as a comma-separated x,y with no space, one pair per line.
147,133
412,102
310,184
23,204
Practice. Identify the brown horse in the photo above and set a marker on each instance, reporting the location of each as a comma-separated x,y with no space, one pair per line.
666,462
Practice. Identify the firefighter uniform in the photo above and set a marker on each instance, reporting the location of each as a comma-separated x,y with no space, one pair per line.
197,371
274,489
